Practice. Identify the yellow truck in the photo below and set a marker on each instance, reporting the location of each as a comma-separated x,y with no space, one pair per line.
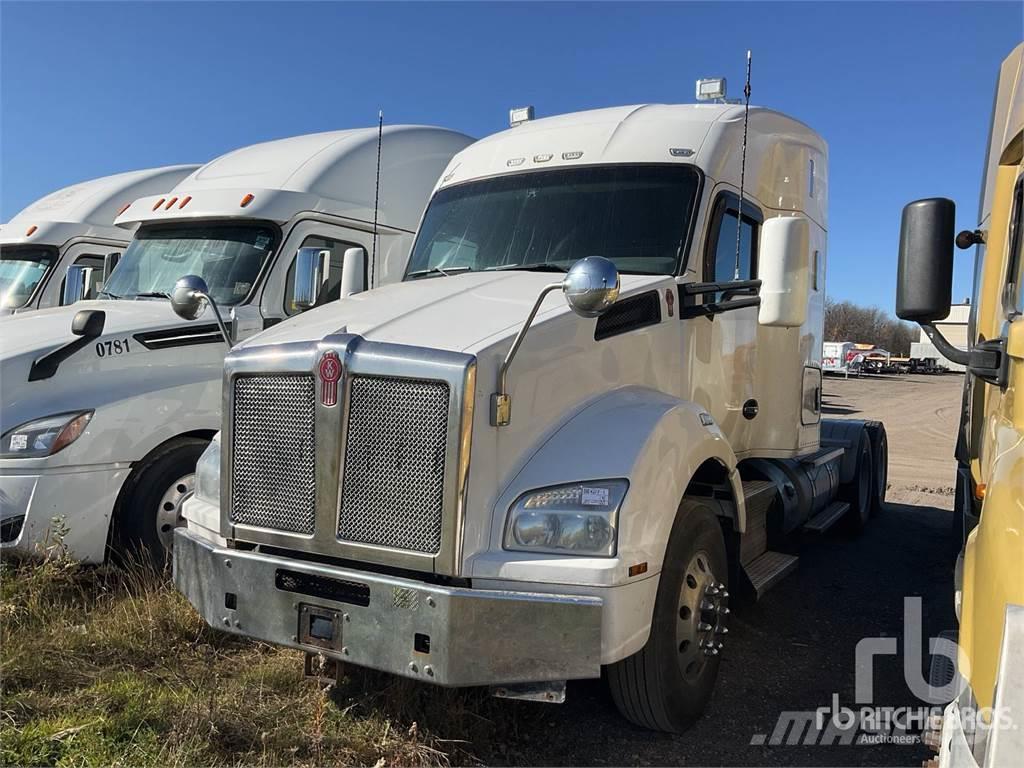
984,726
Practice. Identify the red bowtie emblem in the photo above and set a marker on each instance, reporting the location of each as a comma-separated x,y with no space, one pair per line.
330,372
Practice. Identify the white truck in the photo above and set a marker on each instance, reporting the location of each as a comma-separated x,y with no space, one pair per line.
72,226
108,404
460,479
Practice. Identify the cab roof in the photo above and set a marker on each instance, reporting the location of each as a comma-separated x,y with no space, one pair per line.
708,136
332,172
88,208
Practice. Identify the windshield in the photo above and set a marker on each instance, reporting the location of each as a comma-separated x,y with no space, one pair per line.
227,256
637,216
22,269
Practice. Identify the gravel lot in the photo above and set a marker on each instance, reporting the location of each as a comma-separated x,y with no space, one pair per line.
795,648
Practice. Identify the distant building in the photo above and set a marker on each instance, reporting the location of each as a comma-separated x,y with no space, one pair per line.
954,328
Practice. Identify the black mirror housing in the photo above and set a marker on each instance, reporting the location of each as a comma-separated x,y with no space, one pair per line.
88,323
924,282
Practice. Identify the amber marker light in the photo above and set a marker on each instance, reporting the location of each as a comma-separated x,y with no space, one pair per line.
124,208
184,201
636,570
159,202
246,200
31,230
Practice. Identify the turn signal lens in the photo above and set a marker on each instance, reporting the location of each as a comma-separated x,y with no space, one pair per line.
979,491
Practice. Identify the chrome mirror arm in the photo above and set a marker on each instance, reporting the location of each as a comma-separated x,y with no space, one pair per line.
501,402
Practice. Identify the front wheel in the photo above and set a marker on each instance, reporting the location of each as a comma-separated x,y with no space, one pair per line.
150,510
666,685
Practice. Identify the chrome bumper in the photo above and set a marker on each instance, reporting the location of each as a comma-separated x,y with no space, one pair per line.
444,635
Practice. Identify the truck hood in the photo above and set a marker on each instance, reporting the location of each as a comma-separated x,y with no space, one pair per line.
457,313
45,329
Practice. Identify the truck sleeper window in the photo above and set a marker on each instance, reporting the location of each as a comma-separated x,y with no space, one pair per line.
636,215
227,256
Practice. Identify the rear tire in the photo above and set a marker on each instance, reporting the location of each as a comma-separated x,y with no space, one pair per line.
860,491
151,506
879,465
667,684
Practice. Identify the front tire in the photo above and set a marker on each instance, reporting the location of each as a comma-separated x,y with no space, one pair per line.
150,508
667,684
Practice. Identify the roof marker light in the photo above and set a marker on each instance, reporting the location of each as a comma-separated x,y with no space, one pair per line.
31,230
572,155
159,202
170,202
184,201
124,208
519,115
246,200
711,89
515,161
542,158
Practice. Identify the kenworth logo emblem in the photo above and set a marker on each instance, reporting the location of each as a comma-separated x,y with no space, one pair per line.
330,372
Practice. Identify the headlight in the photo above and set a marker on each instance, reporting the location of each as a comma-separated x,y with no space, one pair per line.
44,437
207,485
576,519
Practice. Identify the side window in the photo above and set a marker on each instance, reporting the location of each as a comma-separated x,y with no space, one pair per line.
1015,267
720,250
95,280
332,286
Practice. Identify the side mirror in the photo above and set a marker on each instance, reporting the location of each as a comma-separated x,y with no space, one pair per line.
109,262
924,281
591,286
76,283
784,266
190,297
353,272
310,273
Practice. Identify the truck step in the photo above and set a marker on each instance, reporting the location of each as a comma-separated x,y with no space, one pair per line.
766,571
828,517
758,495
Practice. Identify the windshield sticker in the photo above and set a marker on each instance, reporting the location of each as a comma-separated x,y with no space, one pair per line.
242,289
595,497
262,241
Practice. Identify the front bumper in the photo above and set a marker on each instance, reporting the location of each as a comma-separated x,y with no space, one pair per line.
450,636
70,507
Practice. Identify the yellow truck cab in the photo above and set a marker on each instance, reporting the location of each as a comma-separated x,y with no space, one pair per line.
985,725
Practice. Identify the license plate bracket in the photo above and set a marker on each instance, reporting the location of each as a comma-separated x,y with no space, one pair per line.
320,627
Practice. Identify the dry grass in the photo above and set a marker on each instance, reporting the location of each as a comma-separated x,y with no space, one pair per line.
104,666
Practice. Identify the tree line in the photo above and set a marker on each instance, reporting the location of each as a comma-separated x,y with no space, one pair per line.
845,321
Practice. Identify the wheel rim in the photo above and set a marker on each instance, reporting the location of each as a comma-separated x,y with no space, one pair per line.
700,616
168,510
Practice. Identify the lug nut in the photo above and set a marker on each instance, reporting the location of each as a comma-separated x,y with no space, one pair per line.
413,667
344,650
723,630
429,670
703,626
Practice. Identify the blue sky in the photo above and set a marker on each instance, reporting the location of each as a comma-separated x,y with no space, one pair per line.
901,92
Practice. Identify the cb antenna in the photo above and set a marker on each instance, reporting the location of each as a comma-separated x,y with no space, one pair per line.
376,194
743,167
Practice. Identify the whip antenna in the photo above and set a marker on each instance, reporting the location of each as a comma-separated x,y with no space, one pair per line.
743,167
376,194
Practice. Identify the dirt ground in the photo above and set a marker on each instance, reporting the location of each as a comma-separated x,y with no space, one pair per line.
795,649
921,414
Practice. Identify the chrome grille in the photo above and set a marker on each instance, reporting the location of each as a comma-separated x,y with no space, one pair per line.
273,481
393,481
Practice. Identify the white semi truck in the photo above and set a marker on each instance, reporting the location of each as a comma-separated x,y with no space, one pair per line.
72,226
466,480
108,404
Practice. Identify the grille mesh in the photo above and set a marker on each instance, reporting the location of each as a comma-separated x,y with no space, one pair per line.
273,481
392,491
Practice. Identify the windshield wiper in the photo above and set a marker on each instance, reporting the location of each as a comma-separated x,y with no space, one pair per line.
446,271
540,266
108,294
153,295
